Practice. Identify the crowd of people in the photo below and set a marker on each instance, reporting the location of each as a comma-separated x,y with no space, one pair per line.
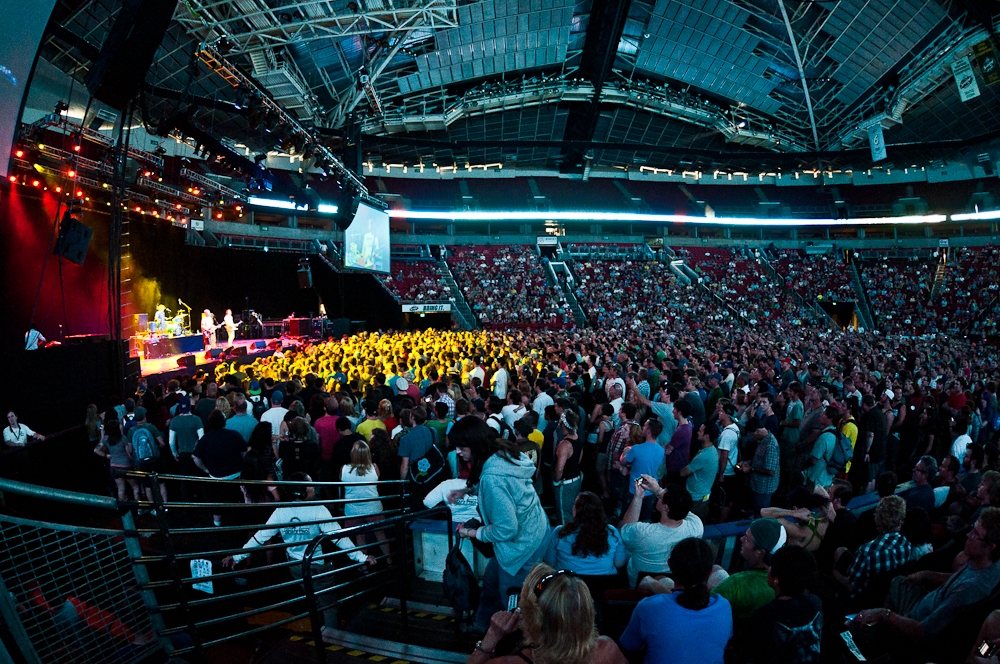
506,287
822,276
607,452
899,290
415,280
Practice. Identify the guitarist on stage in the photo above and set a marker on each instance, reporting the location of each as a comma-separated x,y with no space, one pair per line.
208,328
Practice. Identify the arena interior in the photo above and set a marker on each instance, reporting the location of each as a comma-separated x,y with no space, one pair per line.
540,331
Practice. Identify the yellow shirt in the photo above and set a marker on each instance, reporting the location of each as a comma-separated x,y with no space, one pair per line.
366,428
850,430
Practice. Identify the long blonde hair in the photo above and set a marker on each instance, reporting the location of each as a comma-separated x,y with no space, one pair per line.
361,458
222,403
559,623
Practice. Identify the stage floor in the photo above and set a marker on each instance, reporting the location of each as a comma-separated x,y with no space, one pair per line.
168,365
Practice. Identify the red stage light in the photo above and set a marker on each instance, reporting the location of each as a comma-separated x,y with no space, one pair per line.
218,216
13,178
36,183
76,148
79,192
19,154
58,190
138,209
71,174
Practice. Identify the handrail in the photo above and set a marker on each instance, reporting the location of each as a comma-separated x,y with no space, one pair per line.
58,495
398,522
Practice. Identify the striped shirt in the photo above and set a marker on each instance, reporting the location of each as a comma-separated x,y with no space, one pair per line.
619,441
883,554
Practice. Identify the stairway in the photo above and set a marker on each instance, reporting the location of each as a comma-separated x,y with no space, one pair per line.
579,318
460,311
792,293
939,275
861,299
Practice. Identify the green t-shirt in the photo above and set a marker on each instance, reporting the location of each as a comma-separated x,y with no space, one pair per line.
185,428
795,412
705,466
746,592
653,378
440,429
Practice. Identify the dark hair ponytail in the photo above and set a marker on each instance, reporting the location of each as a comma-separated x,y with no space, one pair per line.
691,564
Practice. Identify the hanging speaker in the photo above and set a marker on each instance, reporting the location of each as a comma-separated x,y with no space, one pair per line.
128,51
347,207
305,276
73,241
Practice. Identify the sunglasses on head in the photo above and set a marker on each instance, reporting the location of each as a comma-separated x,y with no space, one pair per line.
545,580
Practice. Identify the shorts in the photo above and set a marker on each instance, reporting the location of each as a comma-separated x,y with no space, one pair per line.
151,466
602,462
119,472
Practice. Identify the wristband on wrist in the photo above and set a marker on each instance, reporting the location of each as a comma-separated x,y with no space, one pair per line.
479,647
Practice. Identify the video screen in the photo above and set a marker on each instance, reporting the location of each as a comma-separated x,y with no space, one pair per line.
23,25
366,240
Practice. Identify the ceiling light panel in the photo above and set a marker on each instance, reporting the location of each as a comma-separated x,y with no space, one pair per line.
702,42
493,37
871,36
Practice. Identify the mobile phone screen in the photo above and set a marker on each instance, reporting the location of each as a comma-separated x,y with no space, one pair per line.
512,602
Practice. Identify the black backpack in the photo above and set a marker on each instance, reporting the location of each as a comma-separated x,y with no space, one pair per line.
461,588
505,429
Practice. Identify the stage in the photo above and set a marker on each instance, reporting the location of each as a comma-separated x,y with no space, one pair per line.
164,368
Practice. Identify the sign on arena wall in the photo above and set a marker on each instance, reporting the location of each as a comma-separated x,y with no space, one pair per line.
986,57
547,241
425,308
877,142
965,79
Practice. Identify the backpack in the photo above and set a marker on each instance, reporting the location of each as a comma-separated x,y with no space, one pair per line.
842,454
424,470
506,431
461,588
144,445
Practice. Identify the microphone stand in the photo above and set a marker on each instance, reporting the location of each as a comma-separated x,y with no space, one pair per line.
182,303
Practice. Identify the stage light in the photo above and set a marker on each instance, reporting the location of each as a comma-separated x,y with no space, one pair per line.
659,218
976,216
79,192
218,216
36,183
19,154
326,208
274,203
58,190
76,148
13,178
138,209
71,174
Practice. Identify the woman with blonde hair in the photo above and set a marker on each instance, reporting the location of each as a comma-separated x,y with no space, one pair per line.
223,406
555,614
363,505
347,410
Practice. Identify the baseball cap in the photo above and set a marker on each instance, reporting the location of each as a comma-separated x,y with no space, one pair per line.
140,412
254,387
184,405
768,534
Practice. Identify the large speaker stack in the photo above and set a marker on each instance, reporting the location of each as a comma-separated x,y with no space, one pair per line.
74,239
128,51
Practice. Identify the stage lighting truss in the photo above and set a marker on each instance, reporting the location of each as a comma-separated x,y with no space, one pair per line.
212,185
65,125
210,55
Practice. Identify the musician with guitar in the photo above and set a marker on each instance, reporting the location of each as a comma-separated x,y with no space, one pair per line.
208,328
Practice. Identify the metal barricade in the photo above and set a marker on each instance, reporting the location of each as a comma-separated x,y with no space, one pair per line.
69,593
148,578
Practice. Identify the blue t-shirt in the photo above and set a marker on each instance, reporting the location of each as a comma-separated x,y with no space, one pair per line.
675,635
559,554
645,459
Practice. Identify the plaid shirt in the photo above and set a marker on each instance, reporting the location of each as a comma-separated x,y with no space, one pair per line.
619,441
883,554
451,404
766,457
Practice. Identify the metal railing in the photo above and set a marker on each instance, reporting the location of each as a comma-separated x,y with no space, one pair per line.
400,526
148,577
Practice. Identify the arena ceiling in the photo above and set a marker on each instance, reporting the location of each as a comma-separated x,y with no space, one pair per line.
572,84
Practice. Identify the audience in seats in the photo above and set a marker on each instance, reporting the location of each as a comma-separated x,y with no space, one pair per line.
899,291
416,280
506,286
816,276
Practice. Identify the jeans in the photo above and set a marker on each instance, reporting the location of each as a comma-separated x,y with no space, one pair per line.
760,501
326,602
496,584
566,493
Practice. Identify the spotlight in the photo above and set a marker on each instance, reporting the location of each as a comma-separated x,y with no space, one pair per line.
61,107
76,148
13,178
71,174
19,154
